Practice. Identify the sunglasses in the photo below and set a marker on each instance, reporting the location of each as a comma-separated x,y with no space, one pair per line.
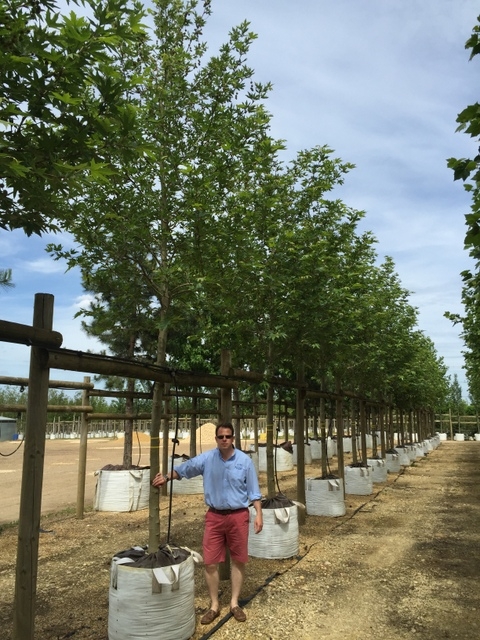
224,437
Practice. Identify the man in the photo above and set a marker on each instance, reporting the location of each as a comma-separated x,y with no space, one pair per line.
230,483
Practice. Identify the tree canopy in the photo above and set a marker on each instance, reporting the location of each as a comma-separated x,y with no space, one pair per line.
468,170
192,233
64,100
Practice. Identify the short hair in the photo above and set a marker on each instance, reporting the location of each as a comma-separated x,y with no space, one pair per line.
224,425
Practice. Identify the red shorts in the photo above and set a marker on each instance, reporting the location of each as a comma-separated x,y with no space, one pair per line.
222,531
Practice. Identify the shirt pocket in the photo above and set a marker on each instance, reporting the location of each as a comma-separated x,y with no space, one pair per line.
238,478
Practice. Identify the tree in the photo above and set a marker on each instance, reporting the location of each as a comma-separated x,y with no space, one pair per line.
468,170
63,103
156,220
6,278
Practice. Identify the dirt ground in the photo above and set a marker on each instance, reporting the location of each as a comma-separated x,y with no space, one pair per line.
402,563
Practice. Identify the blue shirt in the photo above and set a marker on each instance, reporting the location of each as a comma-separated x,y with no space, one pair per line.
227,484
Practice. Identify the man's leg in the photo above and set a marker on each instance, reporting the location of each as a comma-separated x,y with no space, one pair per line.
237,576
237,542
212,579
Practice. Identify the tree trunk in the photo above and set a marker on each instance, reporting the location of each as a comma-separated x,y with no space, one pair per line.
153,504
270,464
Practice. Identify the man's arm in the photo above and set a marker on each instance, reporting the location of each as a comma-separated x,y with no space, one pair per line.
258,522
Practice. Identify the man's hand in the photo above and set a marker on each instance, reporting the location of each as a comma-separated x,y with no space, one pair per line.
159,480
258,523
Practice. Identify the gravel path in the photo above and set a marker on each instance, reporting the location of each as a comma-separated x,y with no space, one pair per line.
405,565
402,563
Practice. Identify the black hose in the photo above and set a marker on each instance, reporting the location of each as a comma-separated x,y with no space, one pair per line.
7,455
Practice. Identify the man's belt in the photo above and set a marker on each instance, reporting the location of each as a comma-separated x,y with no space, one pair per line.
226,512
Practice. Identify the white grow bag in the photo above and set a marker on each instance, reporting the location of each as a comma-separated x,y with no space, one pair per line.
379,469
331,447
279,536
393,462
185,486
307,454
419,450
459,436
411,450
358,481
427,446
282,460
435,440
368,441
122,490
324,497
316,449
151,603
403,456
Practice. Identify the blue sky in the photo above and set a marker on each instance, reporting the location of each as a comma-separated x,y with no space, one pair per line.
379,81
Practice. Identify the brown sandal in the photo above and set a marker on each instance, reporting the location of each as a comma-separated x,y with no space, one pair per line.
238,614
209,617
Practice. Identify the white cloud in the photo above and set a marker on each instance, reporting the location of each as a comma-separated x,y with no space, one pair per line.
83,301
44,266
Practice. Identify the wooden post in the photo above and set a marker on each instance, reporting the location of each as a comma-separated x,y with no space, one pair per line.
373,422
82,454
270,463
339,425
225,394
255,423
323,437
363,431
316,420
237,425
32,479
353,433
128,426
323,413
193,424
390,427
300,439
381,426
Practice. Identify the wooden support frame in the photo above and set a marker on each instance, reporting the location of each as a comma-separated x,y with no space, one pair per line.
32,478
46,353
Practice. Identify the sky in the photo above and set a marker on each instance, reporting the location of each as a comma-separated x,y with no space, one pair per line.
381,82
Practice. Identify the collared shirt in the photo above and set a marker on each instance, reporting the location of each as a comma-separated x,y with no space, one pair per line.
227,484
